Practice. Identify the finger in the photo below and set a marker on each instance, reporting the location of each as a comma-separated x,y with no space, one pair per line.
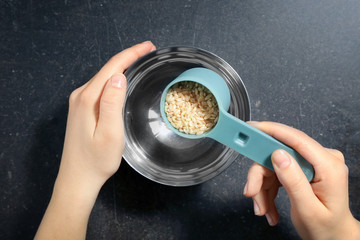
272,214
261,202
264,203
121,61
262,186
307,147
337,154
255,178
293,179
110,121
117,64
153,48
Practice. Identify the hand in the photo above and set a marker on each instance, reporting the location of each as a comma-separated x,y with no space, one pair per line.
320,209
94,140
93,148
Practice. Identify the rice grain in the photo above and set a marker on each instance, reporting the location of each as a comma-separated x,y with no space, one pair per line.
191,108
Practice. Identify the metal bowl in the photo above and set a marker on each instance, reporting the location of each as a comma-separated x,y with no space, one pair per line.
151,148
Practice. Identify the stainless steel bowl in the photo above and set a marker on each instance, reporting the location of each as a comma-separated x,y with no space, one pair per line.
151,148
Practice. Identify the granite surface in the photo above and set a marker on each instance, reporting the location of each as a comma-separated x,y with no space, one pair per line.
299,60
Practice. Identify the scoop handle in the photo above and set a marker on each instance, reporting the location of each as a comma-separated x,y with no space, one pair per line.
253,143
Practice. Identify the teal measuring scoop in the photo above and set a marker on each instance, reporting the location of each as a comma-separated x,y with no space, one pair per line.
229,130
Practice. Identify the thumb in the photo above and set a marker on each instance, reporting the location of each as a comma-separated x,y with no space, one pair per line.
111,104
293,179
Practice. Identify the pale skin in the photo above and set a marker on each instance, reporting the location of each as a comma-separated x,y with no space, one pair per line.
93,149
320,209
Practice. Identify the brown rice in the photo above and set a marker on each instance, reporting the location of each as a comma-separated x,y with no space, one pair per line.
191,108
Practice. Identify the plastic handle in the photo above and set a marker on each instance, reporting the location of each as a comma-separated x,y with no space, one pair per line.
253,143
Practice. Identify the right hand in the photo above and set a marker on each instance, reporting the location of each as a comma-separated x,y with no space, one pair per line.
320,209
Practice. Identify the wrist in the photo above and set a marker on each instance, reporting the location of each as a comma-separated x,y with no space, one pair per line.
354,231
77,185
73,198
75,188
69,209
350,229
79,176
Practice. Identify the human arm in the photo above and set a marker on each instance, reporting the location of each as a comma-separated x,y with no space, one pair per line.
93,147
320,209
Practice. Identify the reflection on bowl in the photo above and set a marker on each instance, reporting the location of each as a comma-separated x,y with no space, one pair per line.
151,148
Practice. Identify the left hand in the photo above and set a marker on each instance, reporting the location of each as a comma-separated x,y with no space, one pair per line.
93,148
94,140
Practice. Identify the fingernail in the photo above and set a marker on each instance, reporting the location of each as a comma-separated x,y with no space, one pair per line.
281,159
245,188
146,42
117,80
256,208
253,123
269,219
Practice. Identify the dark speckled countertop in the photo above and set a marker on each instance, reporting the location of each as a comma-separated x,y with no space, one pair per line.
300,62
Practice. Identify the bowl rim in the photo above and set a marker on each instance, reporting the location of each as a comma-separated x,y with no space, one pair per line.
217,171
